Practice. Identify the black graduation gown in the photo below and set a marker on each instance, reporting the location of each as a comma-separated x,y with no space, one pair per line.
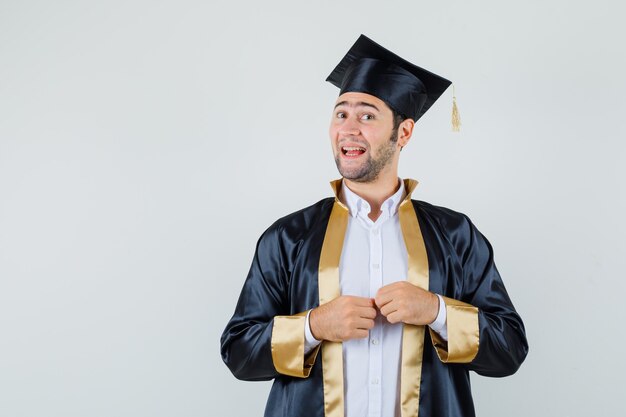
264,339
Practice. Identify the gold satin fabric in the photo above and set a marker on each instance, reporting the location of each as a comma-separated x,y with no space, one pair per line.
463,335
288,346
328,285
412,336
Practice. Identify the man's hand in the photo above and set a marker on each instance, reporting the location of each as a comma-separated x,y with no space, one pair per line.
344,318
407,303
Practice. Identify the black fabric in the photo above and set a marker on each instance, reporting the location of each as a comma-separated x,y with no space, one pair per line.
283,281
369,68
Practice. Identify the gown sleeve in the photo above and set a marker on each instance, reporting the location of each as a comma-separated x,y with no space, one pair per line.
262,340
484,330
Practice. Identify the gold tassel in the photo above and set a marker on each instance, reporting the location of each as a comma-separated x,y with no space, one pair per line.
456,117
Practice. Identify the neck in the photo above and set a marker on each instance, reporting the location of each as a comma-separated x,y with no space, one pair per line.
375,193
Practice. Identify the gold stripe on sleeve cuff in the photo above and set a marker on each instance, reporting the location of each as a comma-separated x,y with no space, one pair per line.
288,346
463,334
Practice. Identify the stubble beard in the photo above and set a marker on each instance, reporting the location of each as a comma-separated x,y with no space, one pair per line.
371,168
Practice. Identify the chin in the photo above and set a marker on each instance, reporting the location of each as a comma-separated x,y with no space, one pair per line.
362,177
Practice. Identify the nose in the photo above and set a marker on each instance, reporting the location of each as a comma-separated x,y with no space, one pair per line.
349,127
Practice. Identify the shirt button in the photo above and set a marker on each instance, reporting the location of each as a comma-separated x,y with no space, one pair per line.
374,341
375,381
376,266
375,231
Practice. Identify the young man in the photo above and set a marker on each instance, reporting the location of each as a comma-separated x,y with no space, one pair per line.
371,303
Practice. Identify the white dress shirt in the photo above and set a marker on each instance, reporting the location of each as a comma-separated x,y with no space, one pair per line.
373,255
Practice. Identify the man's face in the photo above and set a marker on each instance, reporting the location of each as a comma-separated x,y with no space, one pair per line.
362,136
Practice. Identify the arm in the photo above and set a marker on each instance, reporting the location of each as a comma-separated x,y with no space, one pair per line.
262,340
484,330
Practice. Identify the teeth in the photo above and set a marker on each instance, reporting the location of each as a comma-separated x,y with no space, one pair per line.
353,148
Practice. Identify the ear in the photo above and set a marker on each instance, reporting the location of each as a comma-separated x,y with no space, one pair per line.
405,130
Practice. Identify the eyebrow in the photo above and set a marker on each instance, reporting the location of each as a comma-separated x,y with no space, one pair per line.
360,103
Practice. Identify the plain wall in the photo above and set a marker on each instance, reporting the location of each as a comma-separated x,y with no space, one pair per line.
145,146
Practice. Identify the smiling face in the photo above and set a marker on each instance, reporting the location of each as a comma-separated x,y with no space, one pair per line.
364,142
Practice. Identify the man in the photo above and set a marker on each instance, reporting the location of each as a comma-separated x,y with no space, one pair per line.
371,303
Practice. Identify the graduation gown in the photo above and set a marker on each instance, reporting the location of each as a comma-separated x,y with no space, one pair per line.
295,269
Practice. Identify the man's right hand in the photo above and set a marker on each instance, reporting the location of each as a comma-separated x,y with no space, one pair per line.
344,318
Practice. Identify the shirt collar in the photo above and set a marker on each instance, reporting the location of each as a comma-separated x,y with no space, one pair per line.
356,204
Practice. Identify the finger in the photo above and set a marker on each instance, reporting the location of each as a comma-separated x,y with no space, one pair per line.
365,324
357,301
388,292
394,317
363,301
360,334
393,286
382,299
367,312
388,309
381,291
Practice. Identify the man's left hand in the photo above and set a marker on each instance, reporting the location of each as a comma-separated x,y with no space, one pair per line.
407,303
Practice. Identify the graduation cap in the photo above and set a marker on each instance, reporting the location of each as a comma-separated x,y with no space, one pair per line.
405,87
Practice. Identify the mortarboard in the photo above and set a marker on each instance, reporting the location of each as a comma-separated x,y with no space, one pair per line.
405,87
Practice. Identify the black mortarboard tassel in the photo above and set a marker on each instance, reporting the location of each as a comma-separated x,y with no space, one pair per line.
405,87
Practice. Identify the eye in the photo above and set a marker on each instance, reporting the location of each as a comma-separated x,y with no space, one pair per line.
367,116
340,115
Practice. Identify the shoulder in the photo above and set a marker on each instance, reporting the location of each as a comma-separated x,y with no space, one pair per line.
449,225
301,222
443,217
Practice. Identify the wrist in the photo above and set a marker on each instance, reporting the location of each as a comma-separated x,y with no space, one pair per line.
313,324
434,310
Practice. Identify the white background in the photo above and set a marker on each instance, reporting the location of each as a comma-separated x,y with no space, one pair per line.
145,146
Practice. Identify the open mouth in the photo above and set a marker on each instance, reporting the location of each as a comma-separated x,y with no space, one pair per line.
352,150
